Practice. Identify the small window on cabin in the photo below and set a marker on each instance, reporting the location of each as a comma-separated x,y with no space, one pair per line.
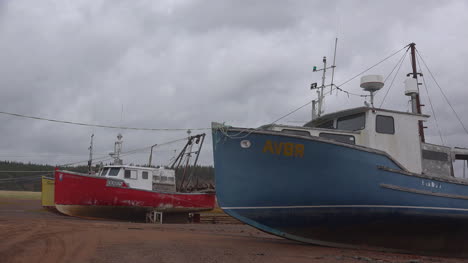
384,124
339,137
435,156
114,171
104,171
171,179
144,175
130,174
156,177
353,122
296,132
326,125
163,178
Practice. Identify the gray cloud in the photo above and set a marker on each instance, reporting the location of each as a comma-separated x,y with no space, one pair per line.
183,64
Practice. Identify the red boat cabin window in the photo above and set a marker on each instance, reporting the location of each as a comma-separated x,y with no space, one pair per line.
104,171
114,171
144,175
130,174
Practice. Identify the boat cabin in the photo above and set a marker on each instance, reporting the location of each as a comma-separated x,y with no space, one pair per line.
393,132
145,178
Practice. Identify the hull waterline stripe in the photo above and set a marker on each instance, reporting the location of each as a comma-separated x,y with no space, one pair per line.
343,206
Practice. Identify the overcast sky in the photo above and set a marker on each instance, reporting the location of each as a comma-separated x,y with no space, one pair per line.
183,64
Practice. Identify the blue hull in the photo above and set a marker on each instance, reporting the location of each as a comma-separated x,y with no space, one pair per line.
316,191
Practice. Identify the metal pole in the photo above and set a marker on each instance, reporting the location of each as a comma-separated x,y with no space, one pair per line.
320,100
465,163
416,104
314,110
333,66
151,155
90,161
196,158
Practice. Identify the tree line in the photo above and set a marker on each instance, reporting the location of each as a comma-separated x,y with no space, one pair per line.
21,176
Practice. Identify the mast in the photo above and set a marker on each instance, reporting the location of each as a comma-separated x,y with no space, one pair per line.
415,101
90,161
151,155
317,104
117,150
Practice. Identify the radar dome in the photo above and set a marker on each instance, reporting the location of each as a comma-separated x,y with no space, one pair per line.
372,83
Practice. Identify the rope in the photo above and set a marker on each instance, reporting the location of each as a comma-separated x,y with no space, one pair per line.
430,103
5,171
126,153
338,87
98,125
375,65
238,135
448,102
400,63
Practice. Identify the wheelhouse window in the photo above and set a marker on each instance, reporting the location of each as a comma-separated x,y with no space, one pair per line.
339,137
326,125
296,132
384,124
144,175
353,122
114,171
104,171
130,174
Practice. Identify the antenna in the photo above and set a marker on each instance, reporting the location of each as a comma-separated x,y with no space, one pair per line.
333,66
90,161
317,105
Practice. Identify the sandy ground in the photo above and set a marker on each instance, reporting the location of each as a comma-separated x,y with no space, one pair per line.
30,234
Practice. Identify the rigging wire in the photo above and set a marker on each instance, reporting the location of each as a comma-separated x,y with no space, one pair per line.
15,171
97,125
336,87
400,63
430,103
105,158
375,65
437,84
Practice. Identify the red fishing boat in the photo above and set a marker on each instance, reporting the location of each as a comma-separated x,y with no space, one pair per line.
129,192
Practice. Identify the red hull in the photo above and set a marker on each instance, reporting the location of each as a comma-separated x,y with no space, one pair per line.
83,195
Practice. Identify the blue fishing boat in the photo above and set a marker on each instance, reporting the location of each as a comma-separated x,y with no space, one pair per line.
362,177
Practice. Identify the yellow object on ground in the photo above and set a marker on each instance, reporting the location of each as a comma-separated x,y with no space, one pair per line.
48,189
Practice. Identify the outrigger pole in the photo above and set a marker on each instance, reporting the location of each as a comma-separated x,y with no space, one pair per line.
187,151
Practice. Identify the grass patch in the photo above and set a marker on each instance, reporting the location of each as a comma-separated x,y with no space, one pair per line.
20,195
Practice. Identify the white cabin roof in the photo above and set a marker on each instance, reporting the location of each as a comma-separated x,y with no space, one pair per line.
357,110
